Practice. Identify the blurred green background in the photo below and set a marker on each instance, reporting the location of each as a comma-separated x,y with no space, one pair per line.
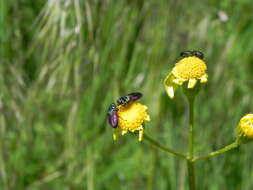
63,62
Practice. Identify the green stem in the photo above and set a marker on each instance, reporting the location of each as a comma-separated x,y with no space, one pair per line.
190,163
191,116
158,145
220,151
191,174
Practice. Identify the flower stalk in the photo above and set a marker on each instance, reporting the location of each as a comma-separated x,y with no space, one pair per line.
191,117
190,163
158,145
217,152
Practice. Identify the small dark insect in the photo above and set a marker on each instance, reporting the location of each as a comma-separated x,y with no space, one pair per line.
198,54
128,98
186,54
192,53
112,115
112,110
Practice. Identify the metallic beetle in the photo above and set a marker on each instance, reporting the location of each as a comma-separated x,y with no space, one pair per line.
112,110
128,98
112,115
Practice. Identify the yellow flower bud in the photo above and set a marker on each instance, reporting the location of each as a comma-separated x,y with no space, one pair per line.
245,129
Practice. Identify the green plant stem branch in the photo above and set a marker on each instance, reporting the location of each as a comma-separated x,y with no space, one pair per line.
190,163
158,145
220,151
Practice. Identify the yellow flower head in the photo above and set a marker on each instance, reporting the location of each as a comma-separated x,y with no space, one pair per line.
131,117
245,128
189,69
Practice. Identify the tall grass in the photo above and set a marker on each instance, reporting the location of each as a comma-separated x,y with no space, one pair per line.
64,62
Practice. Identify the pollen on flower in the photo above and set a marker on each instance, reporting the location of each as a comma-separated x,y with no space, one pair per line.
132,115
246,125
190,68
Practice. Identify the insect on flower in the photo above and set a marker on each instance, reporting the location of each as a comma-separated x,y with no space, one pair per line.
186,53
112,115
128,98
192,53
128,115
112,110
190,69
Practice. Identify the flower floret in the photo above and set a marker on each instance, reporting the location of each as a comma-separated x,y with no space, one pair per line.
131,117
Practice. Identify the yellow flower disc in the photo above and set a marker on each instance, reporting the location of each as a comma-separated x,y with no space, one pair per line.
190,68
246,125
131,116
